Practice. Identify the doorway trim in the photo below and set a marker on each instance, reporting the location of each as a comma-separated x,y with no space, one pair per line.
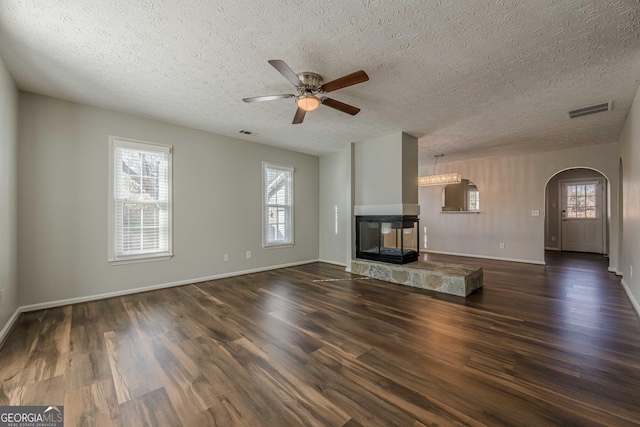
619,265
606,207
601,210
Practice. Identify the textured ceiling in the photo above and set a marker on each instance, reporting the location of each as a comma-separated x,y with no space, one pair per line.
471,79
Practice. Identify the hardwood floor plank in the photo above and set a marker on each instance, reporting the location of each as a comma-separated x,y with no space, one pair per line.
47,392
237,398
132,373
150,409
88,361
14,355
49,353
302,401
93,405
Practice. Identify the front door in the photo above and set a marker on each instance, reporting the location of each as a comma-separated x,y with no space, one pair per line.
582,216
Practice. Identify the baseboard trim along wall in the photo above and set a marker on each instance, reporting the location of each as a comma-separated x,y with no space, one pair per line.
50,304
633,300
326,261
526,261
4,333
551,249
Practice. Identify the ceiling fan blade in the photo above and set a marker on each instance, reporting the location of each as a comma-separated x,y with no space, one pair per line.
286,72
299,117
348,80
268,97
341,106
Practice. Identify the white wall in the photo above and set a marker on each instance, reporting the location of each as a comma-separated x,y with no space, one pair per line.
510,188
62,182
378,171
8,195
333,233
629,152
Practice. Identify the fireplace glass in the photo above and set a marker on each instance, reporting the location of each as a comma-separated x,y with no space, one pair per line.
392,239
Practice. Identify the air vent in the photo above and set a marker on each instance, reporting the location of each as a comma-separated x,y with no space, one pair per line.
598,108
245,132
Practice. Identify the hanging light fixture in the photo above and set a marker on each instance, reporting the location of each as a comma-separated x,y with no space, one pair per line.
441,179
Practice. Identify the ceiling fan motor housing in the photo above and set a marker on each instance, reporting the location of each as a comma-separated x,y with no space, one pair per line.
310,80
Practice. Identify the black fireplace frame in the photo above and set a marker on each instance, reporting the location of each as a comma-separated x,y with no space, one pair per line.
408,221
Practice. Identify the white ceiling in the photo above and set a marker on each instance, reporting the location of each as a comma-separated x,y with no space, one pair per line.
470,78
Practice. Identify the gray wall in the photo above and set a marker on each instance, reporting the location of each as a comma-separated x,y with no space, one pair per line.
62,177
510,188
333,180
629,153
553,206
8,194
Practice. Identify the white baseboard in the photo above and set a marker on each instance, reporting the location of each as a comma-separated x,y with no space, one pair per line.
634,301
551,249
58,303
326,261
7,327
526,261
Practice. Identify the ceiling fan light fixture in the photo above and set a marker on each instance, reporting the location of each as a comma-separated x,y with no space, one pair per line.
308,102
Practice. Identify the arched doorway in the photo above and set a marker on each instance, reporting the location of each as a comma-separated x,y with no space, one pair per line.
577,216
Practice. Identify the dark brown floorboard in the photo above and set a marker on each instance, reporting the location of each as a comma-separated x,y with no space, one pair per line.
313,345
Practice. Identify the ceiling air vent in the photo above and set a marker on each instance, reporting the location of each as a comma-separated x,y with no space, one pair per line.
598,108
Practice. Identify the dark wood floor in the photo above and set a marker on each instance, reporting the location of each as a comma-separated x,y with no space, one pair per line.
313,345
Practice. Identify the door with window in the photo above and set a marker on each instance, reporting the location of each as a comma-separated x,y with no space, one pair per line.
582,216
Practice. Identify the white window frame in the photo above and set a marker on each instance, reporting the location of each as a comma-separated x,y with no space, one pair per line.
265,207
469,191
580,183
113,256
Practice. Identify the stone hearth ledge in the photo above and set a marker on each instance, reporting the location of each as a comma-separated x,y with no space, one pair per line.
450,279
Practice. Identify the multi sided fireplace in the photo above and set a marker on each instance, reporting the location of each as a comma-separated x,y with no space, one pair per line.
393,239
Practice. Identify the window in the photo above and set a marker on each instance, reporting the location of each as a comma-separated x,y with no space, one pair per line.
277,230
473,198
581,200
139,201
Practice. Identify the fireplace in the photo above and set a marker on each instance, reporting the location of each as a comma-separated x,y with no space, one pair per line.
393,239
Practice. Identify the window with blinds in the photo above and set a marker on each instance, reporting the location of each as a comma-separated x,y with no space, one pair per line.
278,205
140,201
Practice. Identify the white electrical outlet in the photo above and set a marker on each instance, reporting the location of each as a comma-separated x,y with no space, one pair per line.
226,257
501,245
248,254
535,212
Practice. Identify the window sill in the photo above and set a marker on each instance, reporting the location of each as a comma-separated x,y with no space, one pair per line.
276,246
140,259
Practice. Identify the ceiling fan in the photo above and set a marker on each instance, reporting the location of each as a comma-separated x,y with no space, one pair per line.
311,90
